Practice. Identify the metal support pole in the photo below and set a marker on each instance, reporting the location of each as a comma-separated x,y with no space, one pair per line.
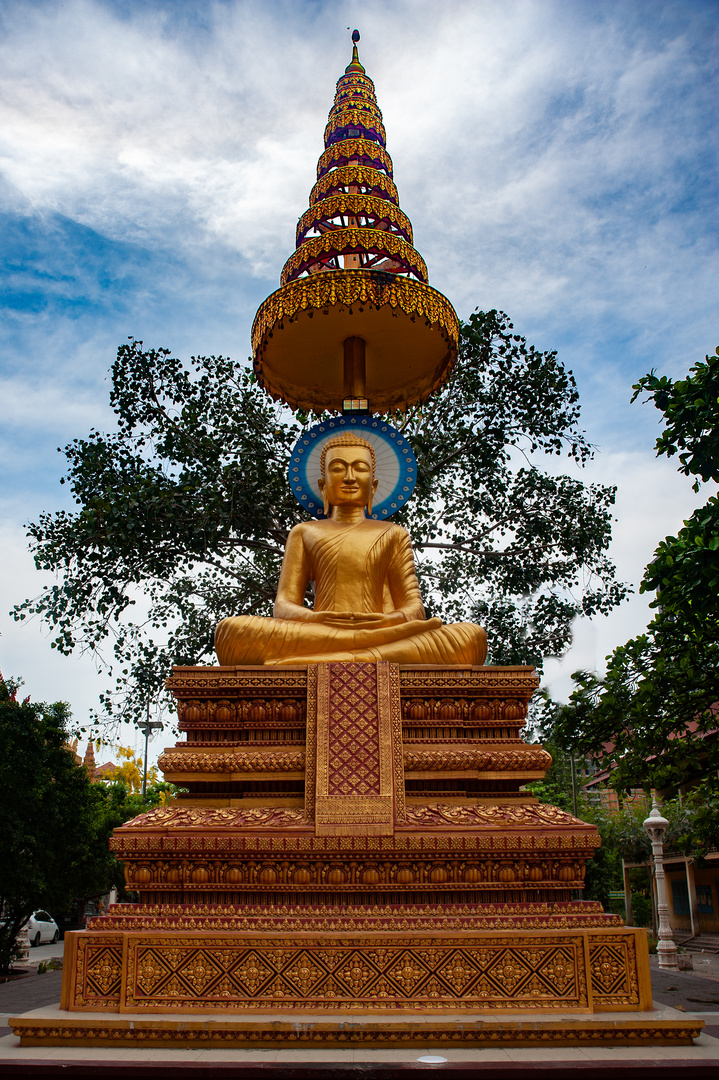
146,728
355,379
656,826
147,735
574,787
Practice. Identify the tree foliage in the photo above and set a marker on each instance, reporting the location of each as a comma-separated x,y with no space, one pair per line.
654,715
685,569
56,823
693,818
50,847
604,870
129,774
114,803
183,510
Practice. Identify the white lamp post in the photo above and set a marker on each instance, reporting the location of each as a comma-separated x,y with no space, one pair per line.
656,826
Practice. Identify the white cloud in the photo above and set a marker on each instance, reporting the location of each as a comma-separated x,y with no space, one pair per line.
506,121
63,411
25,650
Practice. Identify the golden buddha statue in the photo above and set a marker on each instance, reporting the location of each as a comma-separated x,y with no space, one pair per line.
367,601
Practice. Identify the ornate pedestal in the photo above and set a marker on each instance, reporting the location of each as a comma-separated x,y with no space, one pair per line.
354,843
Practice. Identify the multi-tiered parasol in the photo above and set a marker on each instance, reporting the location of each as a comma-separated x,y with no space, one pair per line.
354,326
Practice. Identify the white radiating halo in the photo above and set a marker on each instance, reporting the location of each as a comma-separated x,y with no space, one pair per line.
396,470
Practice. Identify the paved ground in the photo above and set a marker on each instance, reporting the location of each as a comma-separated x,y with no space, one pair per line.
705,963
31,991
22,995
47,952
694,991
687,991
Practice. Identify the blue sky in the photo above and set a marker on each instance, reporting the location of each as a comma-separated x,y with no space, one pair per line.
557,160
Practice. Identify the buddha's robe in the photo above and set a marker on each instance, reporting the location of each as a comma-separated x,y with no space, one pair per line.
364,567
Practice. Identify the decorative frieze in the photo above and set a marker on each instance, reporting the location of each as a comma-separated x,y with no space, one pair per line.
430,972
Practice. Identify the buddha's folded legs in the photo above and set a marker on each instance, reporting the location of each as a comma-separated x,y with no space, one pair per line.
248,639
456,643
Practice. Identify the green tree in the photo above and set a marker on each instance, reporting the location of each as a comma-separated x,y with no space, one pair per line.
114,803
556,788
654,715
685,569
49,851
56,823
183,511
692,817
604,870
130,772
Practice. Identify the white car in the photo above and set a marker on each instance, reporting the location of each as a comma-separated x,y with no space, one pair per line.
42,927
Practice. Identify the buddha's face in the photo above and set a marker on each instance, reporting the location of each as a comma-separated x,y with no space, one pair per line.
348,478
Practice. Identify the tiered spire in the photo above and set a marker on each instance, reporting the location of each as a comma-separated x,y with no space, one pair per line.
384,338
354,220
89,760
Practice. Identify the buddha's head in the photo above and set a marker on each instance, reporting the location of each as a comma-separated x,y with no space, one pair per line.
347,465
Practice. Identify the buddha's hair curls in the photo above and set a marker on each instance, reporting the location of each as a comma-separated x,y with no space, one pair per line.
346,439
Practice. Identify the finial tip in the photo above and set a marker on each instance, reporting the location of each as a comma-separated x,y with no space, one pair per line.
354,64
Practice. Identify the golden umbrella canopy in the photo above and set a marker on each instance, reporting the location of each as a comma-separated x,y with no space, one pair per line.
355,326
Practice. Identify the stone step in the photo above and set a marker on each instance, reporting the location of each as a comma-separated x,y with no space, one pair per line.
702,943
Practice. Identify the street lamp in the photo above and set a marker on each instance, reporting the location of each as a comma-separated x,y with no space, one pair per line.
656,826
147,727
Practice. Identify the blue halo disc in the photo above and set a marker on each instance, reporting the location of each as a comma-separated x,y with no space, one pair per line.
396,463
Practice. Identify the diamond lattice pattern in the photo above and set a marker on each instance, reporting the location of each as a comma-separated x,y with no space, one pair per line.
345,975
354,730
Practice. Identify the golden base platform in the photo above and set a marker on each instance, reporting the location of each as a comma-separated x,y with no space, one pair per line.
300,1031
354,845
